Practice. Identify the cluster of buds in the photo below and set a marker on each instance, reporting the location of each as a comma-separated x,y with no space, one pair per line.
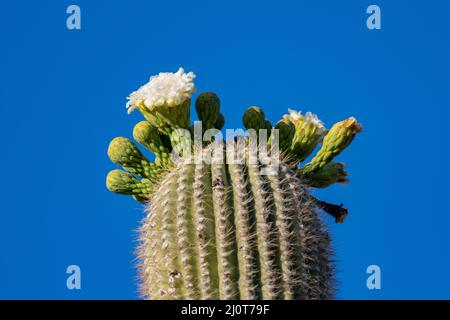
165,104
230,220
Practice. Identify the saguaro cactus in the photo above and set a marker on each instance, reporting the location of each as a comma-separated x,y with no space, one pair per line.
229,219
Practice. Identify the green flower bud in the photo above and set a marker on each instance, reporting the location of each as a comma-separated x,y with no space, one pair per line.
286,131
207,106
337,139
220,122
254,118
125,153
149,137
309,131
122,182
333,172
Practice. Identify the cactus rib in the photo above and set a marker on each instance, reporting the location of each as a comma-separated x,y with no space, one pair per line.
225,227
249,280
268,239
186,239
204,220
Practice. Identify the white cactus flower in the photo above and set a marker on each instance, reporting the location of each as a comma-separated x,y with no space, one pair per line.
165,89
313,119
297,118
295,115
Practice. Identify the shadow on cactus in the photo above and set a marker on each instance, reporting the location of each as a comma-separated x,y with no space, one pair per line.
229,218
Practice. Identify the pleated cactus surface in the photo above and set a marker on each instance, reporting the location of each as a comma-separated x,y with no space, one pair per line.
229,219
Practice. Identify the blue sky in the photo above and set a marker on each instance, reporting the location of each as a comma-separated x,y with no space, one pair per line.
63,97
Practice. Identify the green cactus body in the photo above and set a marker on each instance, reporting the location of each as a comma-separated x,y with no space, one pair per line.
236,222
230,231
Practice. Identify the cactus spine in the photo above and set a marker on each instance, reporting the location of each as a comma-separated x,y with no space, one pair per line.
234,227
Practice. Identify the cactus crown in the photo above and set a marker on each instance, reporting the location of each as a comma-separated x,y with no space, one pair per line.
235,226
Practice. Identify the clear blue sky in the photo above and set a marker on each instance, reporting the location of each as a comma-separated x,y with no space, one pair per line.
63,94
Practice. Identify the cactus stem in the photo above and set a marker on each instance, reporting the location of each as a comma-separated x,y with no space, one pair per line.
309,229
224,221
268,240
204,220
239,227
316,246
169,239
150,251
327,266
186,230
288,224
249,272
